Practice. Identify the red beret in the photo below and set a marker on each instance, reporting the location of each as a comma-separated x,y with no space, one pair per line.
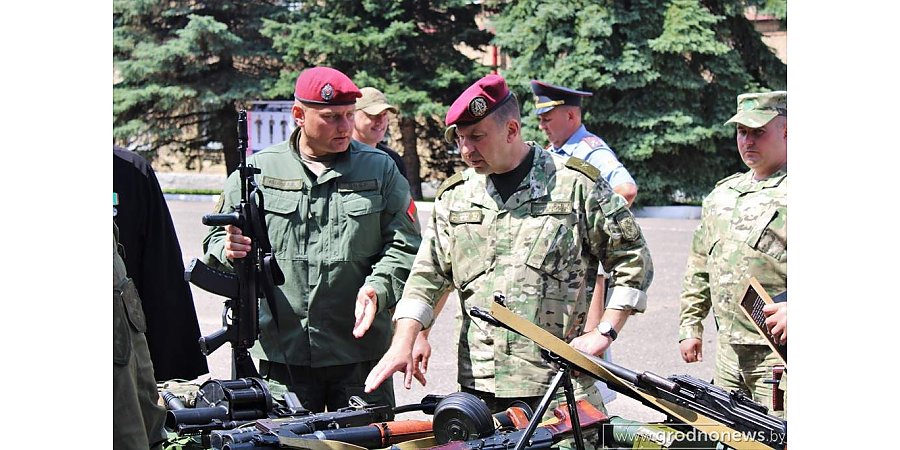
479,100
325,86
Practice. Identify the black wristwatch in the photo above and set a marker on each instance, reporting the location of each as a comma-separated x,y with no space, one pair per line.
606,329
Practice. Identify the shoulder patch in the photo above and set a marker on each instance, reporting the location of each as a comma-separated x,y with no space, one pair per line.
728,178
580,165
594,142
449,183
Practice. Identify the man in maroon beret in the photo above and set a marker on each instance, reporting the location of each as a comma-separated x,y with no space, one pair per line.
344,230
523,222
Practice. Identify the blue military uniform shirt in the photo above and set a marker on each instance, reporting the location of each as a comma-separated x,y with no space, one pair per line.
589,147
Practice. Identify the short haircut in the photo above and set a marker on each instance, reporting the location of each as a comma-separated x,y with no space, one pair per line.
508,110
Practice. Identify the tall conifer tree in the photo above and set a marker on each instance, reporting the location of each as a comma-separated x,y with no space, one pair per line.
409,49
665,75
183,66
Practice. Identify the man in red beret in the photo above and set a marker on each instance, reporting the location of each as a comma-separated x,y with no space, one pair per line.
524,222
344,231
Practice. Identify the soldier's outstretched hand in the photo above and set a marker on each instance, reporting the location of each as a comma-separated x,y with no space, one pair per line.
395,360
691,350
366,307
236,244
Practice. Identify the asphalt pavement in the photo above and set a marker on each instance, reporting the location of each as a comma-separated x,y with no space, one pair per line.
648,342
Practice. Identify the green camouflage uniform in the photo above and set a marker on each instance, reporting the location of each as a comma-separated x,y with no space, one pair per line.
535,250
137,418
742,234
351,226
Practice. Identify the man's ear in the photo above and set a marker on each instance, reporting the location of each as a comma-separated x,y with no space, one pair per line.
513,128
298,114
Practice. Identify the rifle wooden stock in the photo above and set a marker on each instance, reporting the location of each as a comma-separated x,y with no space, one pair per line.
376,435
588,416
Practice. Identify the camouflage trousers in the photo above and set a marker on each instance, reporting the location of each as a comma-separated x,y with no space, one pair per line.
747,367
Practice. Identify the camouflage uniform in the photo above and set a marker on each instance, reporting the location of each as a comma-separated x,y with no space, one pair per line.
137,418
535,250
742,234
354,225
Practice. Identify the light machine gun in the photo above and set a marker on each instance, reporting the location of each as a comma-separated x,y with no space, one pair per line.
738,421
256,275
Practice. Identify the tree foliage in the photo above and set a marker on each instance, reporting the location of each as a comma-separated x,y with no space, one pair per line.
182,68
410,50
664,73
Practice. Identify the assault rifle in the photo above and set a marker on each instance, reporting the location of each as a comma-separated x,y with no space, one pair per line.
256,275
456,416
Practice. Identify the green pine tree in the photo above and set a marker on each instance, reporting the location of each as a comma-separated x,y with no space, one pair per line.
408,49
183,67
664,73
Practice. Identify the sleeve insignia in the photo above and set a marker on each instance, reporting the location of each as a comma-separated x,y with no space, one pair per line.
628,225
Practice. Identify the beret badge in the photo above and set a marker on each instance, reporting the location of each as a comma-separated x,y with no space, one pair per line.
478,106
327,92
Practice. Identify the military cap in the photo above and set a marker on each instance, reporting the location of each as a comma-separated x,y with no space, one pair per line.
756,109
325,86
548,96
374,102
478,101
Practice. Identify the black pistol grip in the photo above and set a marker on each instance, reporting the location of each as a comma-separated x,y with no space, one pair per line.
209,344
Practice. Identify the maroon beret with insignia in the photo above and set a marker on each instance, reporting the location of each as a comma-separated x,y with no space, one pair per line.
325,86
479,100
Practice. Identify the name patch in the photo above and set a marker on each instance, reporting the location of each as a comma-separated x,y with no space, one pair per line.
540,209
284,185
457,217
356,186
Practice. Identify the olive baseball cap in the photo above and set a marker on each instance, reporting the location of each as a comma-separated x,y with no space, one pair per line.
756,109
374,102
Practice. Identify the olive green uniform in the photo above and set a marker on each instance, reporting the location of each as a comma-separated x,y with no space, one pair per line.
535,249
742,234
137,418
353,225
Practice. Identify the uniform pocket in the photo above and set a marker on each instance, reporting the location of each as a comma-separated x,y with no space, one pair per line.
121,332
128,318
362,225
282,219
770,234
555,251
470,252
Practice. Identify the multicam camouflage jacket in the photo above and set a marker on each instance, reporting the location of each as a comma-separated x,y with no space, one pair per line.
534,249
742,234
